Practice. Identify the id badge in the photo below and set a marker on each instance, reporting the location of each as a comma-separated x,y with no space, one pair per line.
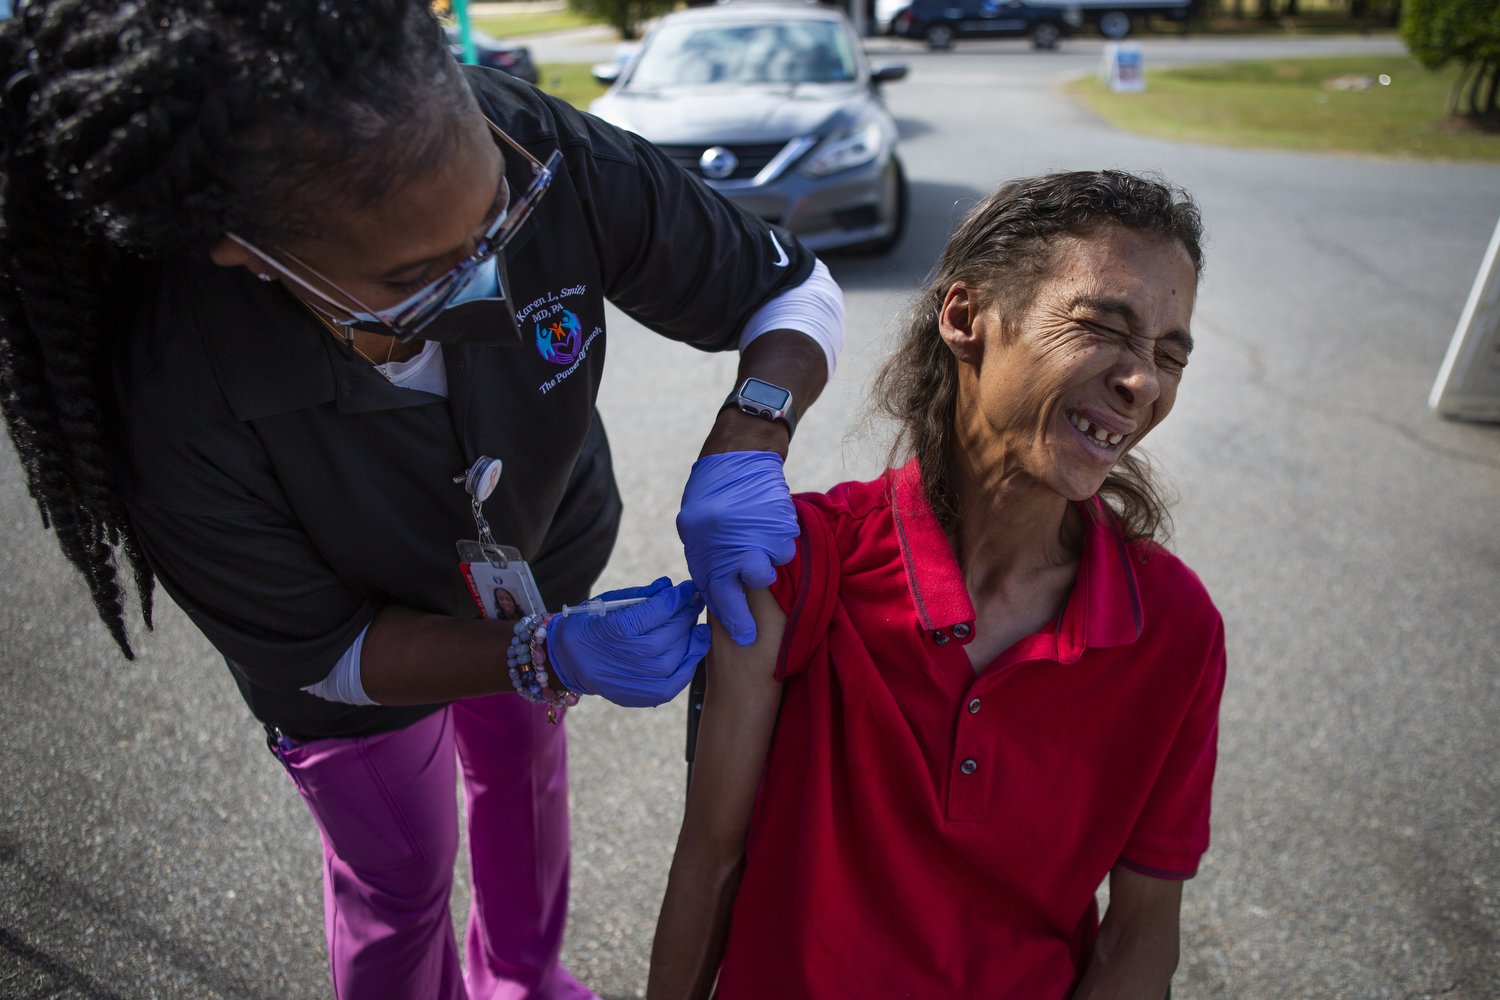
499,580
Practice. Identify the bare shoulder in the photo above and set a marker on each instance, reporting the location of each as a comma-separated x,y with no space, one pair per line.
746,669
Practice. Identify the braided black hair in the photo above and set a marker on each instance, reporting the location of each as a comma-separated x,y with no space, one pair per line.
137,131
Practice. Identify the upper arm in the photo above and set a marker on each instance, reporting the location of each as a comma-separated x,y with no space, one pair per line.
210,513
679,257
258,590
739,717
1136,951
674,254
1172,830
1141,902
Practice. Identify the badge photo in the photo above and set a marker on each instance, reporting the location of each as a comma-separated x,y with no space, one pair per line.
499,580
505,593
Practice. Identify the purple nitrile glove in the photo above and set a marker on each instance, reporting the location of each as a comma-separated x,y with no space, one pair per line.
737,524
639,656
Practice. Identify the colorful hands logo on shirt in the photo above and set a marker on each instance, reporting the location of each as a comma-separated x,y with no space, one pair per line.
559,340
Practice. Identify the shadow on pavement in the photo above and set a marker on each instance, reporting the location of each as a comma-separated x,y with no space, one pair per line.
66,896
934,209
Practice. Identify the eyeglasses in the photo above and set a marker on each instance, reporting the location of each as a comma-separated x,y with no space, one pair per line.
405,320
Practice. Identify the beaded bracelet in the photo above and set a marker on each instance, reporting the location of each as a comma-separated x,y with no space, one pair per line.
527,660
523,673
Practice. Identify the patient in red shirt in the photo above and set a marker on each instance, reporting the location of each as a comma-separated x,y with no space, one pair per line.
982,686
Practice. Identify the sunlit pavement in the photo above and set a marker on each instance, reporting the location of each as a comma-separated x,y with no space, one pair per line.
150,847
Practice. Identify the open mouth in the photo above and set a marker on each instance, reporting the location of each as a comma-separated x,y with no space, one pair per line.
1094,433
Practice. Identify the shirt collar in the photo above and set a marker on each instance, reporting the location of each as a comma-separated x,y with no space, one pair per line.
1103,608
271,356
937,586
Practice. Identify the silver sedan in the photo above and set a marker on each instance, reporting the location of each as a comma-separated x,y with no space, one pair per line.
775,107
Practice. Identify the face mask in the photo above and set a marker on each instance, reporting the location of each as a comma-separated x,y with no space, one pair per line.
480,312
482,283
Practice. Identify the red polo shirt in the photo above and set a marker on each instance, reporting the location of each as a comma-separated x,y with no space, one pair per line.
922,831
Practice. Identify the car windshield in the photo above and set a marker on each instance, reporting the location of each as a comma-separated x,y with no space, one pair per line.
745,53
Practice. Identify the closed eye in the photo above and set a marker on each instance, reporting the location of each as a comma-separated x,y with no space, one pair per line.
1107,332
1177,347
1171,355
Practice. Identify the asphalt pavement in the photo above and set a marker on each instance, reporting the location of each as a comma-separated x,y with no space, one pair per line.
150,847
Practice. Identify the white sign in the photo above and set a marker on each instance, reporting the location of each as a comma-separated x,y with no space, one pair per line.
1468,384
1124,67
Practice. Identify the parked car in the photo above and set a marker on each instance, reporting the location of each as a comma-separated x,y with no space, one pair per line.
884,15
491,51
775,107
1115,18
941,22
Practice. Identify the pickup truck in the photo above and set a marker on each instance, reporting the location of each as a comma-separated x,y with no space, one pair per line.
1116,18
942,22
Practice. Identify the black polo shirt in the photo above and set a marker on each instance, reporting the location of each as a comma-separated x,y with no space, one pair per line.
283,490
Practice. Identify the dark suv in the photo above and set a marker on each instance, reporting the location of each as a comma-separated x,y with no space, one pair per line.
940,22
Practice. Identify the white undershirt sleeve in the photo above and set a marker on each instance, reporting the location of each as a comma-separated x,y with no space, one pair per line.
815,307
343,683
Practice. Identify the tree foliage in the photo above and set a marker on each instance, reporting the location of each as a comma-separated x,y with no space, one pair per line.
626,16
1464,31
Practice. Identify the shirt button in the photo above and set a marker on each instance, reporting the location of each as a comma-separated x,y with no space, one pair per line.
940,637
969,766
961,630
973,705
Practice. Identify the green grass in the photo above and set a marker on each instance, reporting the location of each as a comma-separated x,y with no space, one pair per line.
524,23
1291,104
572,82
1284,27
1314,17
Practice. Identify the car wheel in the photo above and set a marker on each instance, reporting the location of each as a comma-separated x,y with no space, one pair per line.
1114,24
1045,36
896,177
940,36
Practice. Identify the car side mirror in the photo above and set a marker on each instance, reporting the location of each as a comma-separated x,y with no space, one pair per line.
888,73
606,73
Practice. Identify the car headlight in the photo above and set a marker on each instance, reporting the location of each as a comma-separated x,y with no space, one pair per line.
849,147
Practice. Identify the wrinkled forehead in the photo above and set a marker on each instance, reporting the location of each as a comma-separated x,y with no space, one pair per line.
1100,255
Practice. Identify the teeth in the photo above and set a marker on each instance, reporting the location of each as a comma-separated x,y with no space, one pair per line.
1099,434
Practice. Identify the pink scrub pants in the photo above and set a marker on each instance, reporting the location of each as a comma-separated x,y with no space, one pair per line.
386,808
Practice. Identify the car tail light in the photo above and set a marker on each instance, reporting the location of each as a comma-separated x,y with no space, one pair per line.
504,60
903,20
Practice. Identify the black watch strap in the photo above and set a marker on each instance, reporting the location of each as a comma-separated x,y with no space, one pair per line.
788,412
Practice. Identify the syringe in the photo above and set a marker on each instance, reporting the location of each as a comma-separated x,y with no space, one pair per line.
597,607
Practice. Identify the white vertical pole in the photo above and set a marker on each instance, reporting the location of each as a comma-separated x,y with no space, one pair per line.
1468,384
857,15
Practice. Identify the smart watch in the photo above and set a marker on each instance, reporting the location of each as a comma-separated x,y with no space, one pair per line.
764,400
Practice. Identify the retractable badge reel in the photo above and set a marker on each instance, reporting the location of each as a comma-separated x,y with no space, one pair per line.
499,579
